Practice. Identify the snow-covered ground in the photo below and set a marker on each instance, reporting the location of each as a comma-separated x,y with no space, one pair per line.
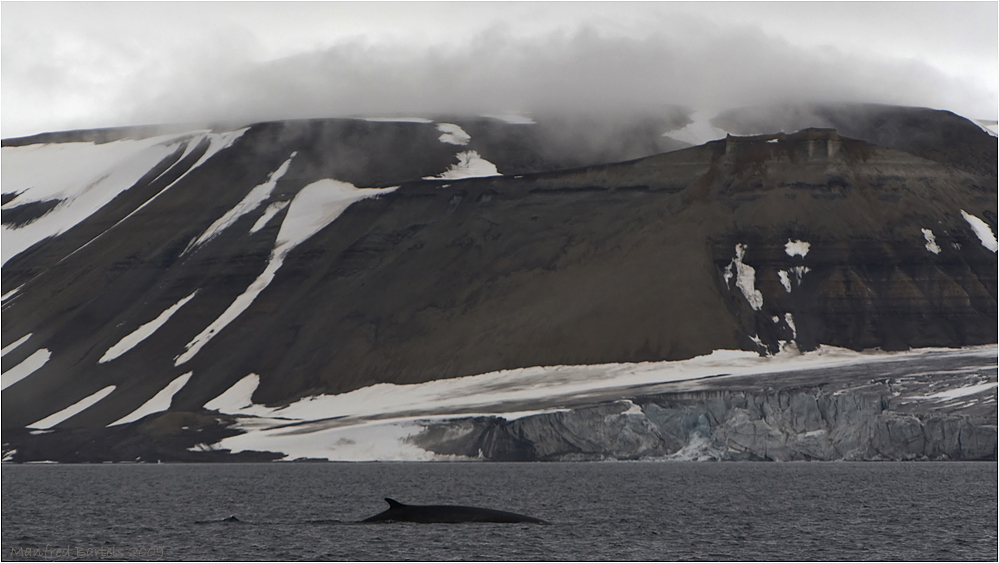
374,423
84,177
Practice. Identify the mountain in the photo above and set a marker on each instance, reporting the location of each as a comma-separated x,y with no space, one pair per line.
190,285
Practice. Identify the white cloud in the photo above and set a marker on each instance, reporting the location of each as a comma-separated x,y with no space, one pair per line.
124,63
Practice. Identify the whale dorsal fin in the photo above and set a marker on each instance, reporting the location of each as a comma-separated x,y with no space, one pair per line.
394,503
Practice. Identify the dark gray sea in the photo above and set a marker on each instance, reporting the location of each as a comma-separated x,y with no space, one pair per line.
598,511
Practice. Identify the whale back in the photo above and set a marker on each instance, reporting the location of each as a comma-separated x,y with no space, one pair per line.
447,514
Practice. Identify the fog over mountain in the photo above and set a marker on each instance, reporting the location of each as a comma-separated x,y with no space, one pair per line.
116,65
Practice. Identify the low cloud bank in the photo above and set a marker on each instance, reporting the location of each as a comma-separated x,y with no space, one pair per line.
705,66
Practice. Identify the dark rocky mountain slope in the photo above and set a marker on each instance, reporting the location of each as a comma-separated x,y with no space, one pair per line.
754,243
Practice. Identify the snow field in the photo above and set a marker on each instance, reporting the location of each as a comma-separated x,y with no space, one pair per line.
86,177
83,176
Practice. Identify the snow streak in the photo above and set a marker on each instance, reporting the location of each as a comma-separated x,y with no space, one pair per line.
745,278
30,365
159,403
315,206
72,410
253,200
143,332
983,231
10,347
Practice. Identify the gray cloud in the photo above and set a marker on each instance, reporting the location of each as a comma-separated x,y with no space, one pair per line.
110,80
581,71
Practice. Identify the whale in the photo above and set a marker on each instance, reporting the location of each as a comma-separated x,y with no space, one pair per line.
447,514
230,520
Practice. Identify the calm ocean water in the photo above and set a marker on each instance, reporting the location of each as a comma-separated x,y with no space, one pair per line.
599,511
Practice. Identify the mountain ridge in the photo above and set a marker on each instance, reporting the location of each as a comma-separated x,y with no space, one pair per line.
446,278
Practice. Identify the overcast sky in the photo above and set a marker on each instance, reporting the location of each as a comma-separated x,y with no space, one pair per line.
81,65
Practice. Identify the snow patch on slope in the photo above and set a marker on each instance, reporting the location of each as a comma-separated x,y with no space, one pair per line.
83,176
143,332
789,319
238,398
72,410
11,293
470,165
253,200
216,143
785,280
745,278
269,214
983,231
30,365
314,207
83,185
10,347
453,134
796,248
160,402
931,241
